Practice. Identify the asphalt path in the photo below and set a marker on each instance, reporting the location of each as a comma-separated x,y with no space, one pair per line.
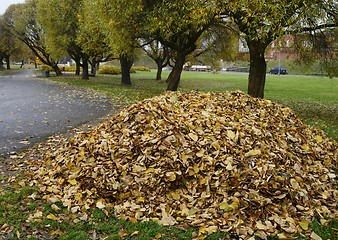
33,108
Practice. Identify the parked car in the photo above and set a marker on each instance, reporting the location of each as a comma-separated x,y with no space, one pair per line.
278,70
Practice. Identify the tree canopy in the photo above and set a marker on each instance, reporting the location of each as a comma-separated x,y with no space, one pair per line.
262,21
23,22
92,29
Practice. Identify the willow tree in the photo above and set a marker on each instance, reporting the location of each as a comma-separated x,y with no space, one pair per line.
7,43
91,35
60,21
122,22
179,25
23,23
260,22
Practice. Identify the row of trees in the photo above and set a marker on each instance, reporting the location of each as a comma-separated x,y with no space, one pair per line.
92,31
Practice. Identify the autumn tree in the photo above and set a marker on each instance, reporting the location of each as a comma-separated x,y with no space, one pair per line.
23,24
160,53
260,22
7,44
178,25
123,22
219,41
91,35
60,21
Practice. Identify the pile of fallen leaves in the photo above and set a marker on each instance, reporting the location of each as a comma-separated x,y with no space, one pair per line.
215,161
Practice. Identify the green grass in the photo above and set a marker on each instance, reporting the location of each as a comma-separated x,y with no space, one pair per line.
314,98
17,205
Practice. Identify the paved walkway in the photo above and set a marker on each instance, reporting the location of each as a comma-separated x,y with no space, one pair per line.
32,109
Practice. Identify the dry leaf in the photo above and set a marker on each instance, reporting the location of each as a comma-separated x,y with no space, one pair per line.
52,217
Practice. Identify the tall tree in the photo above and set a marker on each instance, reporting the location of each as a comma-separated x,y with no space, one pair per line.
61,23
218,42
91,35
123,22
159,53
175,23
262,21
23,23
178,25
7,43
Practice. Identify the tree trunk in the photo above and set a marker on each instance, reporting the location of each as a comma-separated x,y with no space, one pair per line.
85,69
1,65
126,64
93,67
257,73
159,70
77,66
8,64
56,70
175,75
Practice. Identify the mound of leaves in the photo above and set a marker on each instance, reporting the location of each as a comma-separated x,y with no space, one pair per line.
214,161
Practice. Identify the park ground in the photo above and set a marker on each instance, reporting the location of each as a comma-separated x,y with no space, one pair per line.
313,98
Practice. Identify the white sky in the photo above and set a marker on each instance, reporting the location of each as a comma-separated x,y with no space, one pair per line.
4,4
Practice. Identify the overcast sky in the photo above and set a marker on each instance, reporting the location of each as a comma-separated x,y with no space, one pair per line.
5,4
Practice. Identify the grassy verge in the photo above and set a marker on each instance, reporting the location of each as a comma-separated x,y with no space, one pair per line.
24,215
19,203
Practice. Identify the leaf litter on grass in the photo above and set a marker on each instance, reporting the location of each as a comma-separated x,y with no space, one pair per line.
214,161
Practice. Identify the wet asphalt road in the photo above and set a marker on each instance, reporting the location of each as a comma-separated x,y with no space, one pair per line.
32,109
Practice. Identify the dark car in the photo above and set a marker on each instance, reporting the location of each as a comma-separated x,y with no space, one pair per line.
278,70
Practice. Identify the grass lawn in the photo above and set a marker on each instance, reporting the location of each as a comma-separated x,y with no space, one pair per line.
314,98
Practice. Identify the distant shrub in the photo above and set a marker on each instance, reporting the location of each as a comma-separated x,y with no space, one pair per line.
70,68
110,70
46,67
141,68
113,70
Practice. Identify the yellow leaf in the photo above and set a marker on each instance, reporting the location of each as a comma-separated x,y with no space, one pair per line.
176,196
193,136
216,145
55,208
261,226
52,217
22,183
253,152
304,225
211,229
202,230
196,168
225,207
72,181
171,176
200,153
314,236
234,206
78,196
167,219
231,134
319,139
228,207
100,205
